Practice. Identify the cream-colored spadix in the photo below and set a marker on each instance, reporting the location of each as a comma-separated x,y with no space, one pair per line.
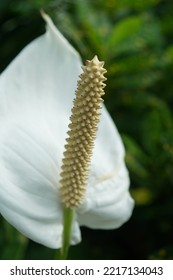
82,133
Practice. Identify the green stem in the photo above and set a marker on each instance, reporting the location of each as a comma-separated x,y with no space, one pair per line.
68,215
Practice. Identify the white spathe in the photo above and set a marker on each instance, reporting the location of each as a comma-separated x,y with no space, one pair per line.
36,94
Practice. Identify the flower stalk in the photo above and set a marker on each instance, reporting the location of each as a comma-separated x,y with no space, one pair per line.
68,215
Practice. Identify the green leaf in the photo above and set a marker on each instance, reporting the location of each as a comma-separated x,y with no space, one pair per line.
135,157
134,34
157,125
13,244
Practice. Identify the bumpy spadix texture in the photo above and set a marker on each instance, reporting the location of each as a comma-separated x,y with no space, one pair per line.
82,133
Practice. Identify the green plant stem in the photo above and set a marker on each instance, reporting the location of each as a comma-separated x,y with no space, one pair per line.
68,215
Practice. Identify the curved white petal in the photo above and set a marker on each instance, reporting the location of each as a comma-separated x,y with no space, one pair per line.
35,102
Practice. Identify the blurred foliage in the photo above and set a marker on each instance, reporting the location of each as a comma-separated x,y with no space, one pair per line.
134,38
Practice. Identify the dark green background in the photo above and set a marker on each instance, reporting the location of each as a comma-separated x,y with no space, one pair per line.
135,39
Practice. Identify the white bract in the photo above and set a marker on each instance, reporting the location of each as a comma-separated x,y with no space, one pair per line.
36,93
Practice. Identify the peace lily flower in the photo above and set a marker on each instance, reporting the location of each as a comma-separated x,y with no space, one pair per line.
36,94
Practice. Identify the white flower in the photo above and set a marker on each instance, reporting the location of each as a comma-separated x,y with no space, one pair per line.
36,93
